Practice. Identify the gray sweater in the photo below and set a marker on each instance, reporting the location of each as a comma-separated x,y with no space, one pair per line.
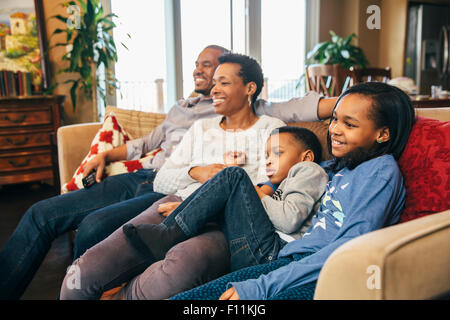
291,207
183,114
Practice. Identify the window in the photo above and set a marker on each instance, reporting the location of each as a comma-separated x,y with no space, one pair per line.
282,47
165,32
203,22
141,69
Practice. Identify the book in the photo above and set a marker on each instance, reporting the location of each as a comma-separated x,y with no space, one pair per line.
18,76
6,81
2,85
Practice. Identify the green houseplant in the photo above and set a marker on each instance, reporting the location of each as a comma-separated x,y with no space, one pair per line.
88,34
338,51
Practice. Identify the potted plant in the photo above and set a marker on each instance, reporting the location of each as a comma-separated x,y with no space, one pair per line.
91,45
337,51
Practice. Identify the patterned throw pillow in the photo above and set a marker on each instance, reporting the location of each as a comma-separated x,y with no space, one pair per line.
110,135
425,165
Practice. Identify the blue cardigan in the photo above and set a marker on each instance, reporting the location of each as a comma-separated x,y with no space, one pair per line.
355,202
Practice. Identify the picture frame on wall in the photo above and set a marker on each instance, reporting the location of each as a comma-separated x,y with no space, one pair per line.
24,67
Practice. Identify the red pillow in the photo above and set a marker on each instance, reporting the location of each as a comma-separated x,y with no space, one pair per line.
425,164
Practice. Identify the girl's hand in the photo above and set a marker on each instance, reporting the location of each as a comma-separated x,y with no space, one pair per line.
165,209
203,174
230,294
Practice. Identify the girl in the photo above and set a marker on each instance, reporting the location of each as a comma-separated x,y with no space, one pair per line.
368,131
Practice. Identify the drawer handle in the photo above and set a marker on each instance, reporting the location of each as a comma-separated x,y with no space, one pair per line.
23,164
18,143
18,120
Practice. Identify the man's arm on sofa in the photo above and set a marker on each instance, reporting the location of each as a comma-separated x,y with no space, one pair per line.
405,261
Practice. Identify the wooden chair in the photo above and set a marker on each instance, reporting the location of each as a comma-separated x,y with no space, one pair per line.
328,80
371,74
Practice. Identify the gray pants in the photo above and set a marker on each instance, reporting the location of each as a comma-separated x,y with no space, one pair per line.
113,262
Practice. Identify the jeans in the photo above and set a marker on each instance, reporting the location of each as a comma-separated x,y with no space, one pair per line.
230,199
96,212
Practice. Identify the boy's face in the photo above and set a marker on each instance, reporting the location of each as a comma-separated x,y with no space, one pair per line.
283,152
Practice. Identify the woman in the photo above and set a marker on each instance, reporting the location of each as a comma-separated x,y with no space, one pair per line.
199,156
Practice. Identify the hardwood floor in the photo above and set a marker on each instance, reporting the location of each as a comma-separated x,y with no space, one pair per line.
14,202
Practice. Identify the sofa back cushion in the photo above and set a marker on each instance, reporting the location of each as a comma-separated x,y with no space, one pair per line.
137,123
425,164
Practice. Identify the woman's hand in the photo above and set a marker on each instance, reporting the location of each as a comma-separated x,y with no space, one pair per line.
230,294
235,158
165,209
203,174
97,163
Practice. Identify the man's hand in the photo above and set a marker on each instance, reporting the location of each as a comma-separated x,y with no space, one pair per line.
230,294
98,163
165,209
203,174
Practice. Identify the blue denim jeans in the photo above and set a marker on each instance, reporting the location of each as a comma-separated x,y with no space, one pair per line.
230,199
96,212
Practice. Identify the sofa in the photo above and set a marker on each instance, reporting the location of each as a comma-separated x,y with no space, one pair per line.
410,260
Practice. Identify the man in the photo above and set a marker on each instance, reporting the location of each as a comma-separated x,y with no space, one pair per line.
98,211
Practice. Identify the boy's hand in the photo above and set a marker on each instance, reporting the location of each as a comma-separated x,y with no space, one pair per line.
263,191
230,294
165,209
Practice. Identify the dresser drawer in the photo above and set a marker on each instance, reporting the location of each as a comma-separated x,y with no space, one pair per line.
25,118
24,140
25,161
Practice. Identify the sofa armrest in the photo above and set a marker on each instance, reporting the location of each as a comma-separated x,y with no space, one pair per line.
407,261
73,145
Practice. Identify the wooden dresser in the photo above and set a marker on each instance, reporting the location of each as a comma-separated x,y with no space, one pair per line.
28,138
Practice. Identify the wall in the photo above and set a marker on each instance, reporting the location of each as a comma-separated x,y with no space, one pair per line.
393,35
382,47
83,112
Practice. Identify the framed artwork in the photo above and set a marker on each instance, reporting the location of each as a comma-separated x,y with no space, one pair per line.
24,68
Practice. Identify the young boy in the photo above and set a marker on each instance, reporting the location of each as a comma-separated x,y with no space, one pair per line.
254,223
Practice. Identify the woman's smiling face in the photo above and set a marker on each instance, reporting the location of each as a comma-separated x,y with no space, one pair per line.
351,127
230,94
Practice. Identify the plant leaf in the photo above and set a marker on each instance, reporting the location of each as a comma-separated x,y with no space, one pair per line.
73,94
345,54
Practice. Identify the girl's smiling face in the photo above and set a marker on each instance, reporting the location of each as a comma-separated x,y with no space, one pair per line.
351,127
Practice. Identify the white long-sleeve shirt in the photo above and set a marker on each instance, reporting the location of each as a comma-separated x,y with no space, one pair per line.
206,143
